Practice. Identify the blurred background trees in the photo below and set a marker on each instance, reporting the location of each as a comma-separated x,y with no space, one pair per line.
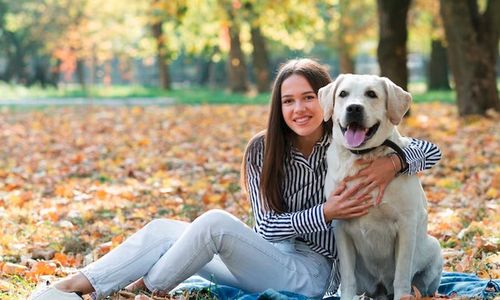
472,31
238,44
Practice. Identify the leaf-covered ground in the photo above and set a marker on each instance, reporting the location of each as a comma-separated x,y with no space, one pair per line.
75,182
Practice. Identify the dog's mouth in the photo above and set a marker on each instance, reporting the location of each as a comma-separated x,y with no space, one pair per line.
356,135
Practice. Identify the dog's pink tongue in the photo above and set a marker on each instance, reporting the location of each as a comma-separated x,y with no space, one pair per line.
355,136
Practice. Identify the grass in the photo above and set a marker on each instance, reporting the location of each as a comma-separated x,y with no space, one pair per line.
421,95
192,95
19,288
184,95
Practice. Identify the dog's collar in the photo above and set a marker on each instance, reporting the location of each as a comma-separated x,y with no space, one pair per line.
387,143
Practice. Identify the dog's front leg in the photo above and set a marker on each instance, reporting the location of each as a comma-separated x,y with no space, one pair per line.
405,250
347,259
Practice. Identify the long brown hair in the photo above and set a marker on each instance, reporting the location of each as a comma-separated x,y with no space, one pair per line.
278,135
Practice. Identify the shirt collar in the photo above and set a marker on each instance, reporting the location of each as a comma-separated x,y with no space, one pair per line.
323,142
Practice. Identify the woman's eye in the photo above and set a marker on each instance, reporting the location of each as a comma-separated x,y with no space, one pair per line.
287,101
371,94
343,94
310,97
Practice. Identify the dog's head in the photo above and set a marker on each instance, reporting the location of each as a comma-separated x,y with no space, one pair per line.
364,108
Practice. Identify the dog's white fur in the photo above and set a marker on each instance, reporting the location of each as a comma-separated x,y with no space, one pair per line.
389,246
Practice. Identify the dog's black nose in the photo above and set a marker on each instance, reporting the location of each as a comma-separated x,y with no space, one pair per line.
354,113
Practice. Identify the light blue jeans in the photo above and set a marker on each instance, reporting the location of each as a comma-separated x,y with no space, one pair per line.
216,246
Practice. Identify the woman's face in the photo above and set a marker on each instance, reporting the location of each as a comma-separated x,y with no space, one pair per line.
301,109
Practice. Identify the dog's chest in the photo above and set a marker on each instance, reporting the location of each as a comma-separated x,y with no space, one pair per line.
379,227
342,164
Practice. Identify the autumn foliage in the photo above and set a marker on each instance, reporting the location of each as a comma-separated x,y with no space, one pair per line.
75,182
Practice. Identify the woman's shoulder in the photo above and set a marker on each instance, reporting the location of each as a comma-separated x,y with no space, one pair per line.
256,143
255,146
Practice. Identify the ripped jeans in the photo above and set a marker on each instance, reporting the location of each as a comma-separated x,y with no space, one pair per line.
216,246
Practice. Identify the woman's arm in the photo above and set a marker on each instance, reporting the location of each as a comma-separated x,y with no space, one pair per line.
274,226
419,155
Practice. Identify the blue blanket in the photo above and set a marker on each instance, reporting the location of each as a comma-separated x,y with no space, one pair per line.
452,284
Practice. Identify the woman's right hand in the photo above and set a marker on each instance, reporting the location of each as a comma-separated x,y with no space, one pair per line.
344,203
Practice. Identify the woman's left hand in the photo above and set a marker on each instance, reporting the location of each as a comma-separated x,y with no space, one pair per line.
377,173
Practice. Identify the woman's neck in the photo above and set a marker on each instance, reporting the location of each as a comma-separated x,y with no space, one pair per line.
305,144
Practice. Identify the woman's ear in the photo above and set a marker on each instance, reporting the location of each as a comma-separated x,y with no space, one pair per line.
326,97
398,101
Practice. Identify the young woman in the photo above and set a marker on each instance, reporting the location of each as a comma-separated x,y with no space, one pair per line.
291,247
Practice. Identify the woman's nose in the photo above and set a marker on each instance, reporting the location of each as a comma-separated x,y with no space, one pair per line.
299,105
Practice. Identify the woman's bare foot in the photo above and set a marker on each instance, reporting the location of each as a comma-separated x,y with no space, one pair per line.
137,285
75,283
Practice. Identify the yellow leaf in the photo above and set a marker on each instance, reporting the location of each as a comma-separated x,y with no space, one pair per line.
448,183
492,193
494,259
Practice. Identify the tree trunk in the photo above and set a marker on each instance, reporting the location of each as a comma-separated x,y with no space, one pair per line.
344,47
55,73
472,52
437,78
10,70
393,34
161,55
203,70
41,70
260,60
346,61
80,74
16,65
237,67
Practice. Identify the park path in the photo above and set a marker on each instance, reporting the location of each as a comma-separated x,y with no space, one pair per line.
88,102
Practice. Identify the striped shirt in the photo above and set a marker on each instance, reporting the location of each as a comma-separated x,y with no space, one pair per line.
302,189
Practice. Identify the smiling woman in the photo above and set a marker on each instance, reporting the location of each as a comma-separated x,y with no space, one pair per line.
302,112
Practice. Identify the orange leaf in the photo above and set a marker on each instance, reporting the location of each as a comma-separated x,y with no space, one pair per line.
77,158
53,216
116,240
103,249
127,195
61,258
101,194
13,269
63,191
19,198
43,268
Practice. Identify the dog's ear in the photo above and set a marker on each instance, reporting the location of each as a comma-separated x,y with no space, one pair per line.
398,101
326,97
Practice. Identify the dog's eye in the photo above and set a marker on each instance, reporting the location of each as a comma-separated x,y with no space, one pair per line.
371,94
343,94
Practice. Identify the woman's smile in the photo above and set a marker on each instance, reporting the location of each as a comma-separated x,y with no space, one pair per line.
302,120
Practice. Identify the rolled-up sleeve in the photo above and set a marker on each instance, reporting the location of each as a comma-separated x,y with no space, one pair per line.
420,155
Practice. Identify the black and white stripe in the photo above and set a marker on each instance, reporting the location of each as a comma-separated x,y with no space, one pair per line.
302,188
421,155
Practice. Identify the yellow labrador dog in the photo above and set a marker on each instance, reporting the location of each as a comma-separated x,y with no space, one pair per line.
386,252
